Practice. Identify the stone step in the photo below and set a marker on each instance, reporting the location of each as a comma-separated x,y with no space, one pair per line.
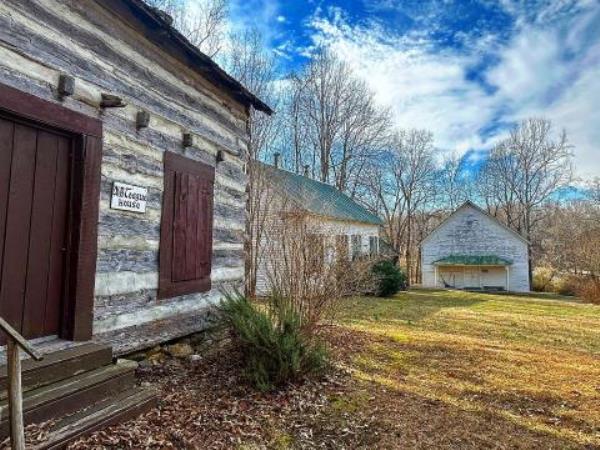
59,365
72,394
124,406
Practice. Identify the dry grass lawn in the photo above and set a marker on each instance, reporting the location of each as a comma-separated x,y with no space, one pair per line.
465,370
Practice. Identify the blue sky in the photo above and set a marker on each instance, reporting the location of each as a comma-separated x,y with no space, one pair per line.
466,70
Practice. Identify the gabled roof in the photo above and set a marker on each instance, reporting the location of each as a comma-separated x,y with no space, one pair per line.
473,260
156,27
318,198
470,204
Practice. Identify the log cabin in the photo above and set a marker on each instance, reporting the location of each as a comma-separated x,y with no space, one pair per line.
122,196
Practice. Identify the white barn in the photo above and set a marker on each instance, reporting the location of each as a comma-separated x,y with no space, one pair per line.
473,250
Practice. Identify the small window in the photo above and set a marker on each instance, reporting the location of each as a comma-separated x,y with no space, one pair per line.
341,247
356,245
315,251
373,246
186,227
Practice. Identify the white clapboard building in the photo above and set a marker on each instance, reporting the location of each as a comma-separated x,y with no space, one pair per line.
473,250
335,219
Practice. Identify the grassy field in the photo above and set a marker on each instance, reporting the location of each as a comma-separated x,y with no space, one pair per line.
465,370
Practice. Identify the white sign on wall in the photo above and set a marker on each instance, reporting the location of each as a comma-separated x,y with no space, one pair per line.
127,197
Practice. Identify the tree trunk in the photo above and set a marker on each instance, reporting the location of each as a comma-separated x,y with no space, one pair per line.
408,250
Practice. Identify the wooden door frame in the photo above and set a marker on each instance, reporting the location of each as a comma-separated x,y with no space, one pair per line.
86,133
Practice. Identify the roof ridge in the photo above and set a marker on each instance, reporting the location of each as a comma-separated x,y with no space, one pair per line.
481,211
327,200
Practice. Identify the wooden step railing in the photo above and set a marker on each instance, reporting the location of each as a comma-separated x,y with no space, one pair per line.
14,340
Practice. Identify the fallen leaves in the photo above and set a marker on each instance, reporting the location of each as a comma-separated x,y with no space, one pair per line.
34,434
206,405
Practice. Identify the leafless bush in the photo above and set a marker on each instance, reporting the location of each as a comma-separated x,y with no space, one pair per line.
589,290
309,271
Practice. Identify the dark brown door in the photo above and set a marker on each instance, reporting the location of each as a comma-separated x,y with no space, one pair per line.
34,199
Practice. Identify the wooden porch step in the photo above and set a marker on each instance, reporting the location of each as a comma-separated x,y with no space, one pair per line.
120,408
59,365
72,394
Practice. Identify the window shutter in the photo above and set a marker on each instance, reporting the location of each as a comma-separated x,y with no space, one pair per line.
186,228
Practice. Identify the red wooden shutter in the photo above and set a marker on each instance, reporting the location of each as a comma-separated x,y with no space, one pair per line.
186,228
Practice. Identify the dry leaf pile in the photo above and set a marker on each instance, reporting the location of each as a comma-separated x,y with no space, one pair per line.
204,404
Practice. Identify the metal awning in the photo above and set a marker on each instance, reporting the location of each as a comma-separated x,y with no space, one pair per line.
472,260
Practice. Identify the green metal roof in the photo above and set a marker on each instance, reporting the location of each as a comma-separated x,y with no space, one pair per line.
318,198
473,260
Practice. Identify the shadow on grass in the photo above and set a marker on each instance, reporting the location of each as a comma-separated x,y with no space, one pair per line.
443,396
540,296
417,421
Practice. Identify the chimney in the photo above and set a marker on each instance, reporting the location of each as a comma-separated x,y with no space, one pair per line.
306,174
276,158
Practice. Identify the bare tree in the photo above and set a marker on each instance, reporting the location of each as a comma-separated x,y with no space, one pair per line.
253,66
381,192
570,242
525,171
323,91
202,22
453,185
333,122
366,130
399,185
414,170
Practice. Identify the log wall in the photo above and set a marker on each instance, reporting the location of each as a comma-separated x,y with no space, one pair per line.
39,40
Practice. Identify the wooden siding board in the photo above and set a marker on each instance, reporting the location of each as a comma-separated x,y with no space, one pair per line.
193,225
50,114
180,221
84,239
6,147
208,212
18,223
149,334
57,264
182,252
37,302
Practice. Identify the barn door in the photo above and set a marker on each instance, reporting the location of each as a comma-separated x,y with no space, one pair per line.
34,199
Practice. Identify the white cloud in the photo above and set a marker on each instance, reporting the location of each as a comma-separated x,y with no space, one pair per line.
528,69
257,14
424,89
578,112
550,67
